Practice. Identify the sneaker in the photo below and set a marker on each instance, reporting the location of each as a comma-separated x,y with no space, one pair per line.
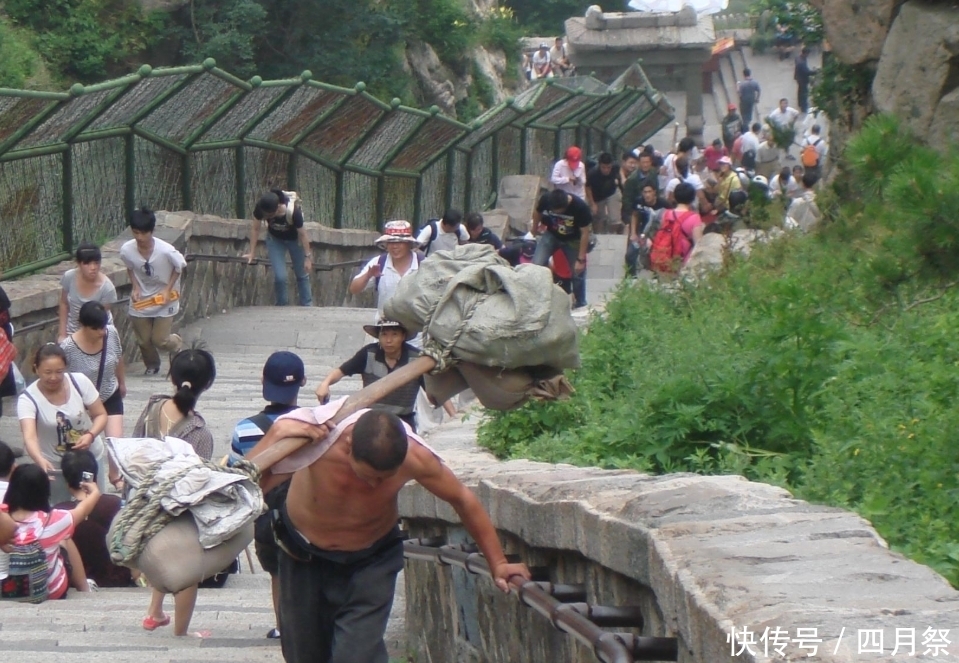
152,370
273,634
92,584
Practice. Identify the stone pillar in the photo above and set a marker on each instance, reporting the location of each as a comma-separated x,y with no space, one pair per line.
695,122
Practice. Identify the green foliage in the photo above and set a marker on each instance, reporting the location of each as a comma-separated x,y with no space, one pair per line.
224,31
19,62
501,30
840,87
825,363
547,17
87,40
799,17
783,136
446,25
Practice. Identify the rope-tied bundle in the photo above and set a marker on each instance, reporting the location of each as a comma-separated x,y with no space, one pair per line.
443,354
143,516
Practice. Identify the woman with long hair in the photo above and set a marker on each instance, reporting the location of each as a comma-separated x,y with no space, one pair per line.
192,372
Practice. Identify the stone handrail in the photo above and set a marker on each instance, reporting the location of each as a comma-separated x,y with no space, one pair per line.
701,555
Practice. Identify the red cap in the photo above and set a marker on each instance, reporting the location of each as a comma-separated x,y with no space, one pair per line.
731,107
573,155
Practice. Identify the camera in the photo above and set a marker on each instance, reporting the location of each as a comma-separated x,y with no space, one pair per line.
87,477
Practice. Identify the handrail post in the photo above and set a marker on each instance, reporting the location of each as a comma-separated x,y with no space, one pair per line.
67,202
239,181
130,175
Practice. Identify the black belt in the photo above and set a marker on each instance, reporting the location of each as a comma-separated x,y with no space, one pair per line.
299,548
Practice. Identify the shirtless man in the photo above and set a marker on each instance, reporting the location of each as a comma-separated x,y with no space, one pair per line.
340,543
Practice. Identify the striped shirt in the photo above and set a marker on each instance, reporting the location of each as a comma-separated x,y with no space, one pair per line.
51,531
81,362
251,430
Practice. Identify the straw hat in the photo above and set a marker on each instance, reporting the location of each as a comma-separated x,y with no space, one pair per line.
396,231
374,330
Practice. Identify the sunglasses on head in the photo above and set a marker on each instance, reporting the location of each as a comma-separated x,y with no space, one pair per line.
147,268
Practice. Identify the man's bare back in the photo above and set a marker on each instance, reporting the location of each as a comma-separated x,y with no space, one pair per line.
335,509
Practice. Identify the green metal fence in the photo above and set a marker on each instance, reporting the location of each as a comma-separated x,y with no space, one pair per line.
74,164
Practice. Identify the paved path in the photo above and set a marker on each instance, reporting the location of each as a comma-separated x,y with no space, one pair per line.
105,626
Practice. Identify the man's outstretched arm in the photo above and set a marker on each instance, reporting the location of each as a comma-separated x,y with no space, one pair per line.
283,428
439,480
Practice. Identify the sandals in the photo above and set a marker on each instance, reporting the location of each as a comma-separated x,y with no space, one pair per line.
151,624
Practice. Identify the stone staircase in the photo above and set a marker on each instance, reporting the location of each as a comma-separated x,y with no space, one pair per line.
106,625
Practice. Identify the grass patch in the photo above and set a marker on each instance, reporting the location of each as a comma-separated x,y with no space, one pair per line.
826,363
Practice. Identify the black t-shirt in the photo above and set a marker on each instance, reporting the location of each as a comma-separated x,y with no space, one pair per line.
90,537
566,225
602,186
487,236
280,227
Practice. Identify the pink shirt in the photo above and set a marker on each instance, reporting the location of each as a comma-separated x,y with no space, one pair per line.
51,531
688,224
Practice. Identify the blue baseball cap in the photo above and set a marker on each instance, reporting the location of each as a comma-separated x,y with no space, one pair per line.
283,374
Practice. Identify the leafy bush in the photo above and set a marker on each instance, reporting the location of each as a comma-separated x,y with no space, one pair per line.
824,363
87,40
19,62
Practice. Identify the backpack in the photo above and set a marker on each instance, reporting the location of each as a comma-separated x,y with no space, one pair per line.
668,243
810,157
28,573
382,262
434,232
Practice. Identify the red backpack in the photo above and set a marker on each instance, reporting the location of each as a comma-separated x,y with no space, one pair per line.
669,243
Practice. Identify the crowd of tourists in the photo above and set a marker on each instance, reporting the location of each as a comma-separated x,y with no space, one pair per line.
57,508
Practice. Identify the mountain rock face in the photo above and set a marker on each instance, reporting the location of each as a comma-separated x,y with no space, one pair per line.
914,48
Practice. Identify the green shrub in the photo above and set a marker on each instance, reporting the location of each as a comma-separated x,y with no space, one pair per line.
824,363
19,62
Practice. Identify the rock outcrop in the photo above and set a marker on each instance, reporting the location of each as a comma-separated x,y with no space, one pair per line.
919,69
856,30
437,84
914,48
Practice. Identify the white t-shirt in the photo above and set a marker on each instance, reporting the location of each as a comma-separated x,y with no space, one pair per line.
783,118
60,425
750,142
540,58
692,178
163,262
388,281
444,241
561,174
775,189
106,294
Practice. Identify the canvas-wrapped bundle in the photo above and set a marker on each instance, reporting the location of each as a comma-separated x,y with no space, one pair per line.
482,311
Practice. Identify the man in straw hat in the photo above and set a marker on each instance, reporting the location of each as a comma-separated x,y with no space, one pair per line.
376,360
385,271
338,535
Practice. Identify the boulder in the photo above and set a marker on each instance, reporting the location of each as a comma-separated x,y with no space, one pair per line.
944,130
916,66
856,30
707,255
435,81
491,64
517,196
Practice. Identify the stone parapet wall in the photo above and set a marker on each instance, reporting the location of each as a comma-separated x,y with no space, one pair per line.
208,287
700,555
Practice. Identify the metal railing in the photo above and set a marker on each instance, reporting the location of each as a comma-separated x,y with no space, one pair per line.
563,605
198,138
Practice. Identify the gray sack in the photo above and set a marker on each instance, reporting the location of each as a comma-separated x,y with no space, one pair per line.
520,319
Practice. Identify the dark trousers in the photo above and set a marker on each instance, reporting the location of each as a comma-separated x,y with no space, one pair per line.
802,96
746,111
546,245
334,606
